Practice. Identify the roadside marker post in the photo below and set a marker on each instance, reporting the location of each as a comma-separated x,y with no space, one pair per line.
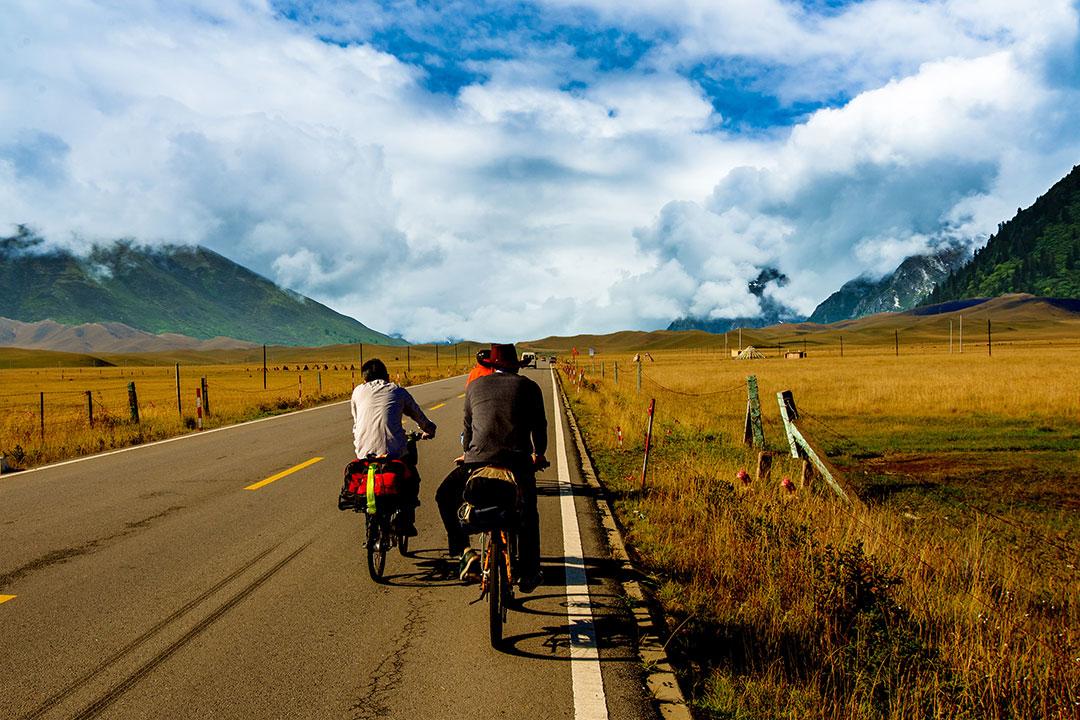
198,408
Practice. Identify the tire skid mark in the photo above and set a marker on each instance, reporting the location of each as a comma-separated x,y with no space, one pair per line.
57,557
386,677
103,702
105,664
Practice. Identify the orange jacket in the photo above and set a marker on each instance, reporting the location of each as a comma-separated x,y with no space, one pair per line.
478,371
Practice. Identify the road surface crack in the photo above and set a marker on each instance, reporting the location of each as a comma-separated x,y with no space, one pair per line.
387,676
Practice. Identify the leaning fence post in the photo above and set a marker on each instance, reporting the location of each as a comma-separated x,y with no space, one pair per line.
753,434
648,443
133,402
800,446
90,406
789,414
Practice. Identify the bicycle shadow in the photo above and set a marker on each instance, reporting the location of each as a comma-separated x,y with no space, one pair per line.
599,623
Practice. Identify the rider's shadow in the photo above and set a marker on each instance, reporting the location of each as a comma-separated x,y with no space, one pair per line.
429,569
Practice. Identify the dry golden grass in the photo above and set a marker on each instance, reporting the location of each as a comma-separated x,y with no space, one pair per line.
951,593
235,394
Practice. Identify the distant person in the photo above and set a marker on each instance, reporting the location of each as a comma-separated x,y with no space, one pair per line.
377,408
482,368
505,425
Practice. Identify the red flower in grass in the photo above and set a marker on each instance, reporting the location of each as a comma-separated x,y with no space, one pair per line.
787,484
743,475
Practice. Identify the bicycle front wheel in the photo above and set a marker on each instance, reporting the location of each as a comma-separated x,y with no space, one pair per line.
378,538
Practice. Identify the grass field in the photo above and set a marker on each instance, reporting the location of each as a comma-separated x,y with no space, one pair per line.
45,414
950,591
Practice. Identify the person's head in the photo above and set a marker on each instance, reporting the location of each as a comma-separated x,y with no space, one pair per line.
503,357
374,369
482,356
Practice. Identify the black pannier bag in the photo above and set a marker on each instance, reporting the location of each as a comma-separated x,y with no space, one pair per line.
492,500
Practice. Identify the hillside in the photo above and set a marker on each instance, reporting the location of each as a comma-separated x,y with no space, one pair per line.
1036,252
102,338
187,290
1016,318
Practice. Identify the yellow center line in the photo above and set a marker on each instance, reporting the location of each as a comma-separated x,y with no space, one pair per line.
436,407
5,598
283,473
461,395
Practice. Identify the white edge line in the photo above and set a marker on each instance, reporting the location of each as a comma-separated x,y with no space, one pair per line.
196,434
590,702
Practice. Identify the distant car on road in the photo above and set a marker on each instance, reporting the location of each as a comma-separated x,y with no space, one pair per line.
528,359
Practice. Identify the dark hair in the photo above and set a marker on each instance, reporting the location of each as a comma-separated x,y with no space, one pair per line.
374,369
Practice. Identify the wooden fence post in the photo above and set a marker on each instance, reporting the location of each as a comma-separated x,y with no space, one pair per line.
205,396
615,370
90,406
179,404
133,402
299,388
42,398
648,443
264,367
800,446
753,434
764,466
639,375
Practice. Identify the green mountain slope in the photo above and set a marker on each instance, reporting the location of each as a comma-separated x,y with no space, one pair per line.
175,289
1036,252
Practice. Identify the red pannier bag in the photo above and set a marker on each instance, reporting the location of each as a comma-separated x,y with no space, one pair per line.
391,480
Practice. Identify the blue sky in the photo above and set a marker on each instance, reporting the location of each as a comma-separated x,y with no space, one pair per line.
509,170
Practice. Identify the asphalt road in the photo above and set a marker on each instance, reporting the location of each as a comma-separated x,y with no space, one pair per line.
150,583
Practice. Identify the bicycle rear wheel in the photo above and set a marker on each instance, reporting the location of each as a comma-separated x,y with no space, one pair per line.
378,538
496,590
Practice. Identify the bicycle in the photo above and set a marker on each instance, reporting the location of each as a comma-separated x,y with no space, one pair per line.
375,486
493,507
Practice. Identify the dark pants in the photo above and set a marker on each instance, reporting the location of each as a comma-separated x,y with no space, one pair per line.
449,499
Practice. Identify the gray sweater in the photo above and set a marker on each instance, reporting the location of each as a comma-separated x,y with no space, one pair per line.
504,419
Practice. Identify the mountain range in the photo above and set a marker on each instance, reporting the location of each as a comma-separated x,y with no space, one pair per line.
176,289
1036,252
